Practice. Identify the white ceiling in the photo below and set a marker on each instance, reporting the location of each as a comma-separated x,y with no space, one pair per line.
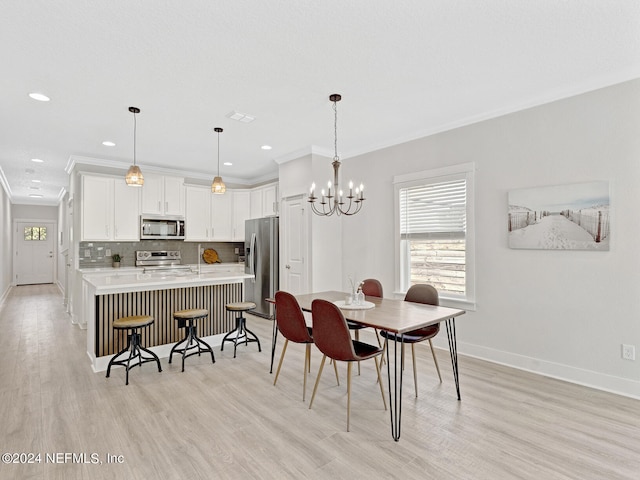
405,70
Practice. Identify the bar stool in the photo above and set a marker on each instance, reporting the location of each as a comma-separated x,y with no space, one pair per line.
242,333
186,319
134,346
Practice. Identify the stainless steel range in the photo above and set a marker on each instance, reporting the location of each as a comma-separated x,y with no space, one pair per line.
164,260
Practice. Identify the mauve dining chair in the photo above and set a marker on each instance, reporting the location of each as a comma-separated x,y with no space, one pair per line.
420,293
331,336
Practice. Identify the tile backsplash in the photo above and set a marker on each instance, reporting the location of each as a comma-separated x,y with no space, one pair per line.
96,254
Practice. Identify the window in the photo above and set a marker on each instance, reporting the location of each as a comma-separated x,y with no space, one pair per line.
35,233
434,211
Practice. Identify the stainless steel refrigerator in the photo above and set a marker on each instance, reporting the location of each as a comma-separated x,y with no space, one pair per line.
262,260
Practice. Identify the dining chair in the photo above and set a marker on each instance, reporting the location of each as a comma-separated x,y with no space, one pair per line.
420,293
331,336
293,327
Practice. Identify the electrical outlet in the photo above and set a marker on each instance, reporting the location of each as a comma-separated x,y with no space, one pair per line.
107,252
87,252
628,352
236,250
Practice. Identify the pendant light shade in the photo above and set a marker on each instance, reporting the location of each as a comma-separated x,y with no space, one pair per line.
218,185
134,176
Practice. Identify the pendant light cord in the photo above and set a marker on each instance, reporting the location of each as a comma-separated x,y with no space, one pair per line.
134,137
218,153
335,129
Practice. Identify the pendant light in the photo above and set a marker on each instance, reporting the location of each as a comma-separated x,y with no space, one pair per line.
218,185
134,176
336,201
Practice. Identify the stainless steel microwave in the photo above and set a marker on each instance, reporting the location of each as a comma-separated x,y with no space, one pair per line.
162,228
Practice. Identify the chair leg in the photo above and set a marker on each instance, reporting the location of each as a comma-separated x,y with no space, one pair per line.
335,369
284,349
348,392
384,400
315,387
435,360
357,335
307,366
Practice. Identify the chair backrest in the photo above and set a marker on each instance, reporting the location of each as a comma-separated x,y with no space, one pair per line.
372,287
330,331
422,293
290,319
427,294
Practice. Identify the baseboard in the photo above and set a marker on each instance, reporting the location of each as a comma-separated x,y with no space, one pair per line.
588,378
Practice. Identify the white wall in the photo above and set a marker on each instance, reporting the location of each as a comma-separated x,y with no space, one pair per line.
561,313
6,265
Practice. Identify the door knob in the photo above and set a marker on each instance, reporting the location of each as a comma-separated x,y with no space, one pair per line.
287,267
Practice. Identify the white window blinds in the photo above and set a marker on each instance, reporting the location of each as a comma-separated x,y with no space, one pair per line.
434,210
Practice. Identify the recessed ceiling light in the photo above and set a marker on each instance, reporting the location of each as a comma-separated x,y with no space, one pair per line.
39,96
29,171
228,164
107,143
37,160
36,195
34,188
36,181
266,147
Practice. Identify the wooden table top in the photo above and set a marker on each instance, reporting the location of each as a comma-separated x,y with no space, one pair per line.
388,314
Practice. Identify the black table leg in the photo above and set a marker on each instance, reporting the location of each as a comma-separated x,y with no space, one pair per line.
395,395
453,350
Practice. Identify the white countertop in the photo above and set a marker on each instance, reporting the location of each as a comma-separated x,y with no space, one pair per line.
133,280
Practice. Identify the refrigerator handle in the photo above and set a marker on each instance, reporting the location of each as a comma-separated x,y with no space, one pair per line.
252,258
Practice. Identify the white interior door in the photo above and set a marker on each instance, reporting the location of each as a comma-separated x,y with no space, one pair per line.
34,257
294,275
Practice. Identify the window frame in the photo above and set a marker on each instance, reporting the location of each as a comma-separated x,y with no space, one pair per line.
466,171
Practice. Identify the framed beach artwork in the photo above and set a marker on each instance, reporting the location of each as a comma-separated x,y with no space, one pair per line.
561,217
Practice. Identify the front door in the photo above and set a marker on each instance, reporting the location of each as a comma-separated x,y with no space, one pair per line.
34,253
294,274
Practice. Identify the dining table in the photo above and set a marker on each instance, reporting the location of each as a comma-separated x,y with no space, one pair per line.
399,317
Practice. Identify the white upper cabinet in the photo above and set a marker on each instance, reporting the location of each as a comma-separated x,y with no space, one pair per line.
163,195
241,212
198,214
110,209
213,218
221,217
264,201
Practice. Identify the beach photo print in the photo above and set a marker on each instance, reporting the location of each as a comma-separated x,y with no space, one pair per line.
561,217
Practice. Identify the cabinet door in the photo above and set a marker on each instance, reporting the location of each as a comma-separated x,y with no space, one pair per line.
269,200
97,208
241,212
221,215
126,211
152,198
256,203
198,214
173,196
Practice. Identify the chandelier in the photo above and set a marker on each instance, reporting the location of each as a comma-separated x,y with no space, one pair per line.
334,201
134,176
218,185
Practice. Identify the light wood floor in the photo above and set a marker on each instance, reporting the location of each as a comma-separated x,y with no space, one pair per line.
227,420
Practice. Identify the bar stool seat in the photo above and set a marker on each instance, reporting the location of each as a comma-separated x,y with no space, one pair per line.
134,346
186,319
241,333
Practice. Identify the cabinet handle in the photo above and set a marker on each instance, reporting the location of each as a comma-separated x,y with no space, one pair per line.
159,206
106,228
166,206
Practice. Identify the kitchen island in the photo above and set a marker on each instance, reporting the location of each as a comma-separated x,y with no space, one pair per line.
107,296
